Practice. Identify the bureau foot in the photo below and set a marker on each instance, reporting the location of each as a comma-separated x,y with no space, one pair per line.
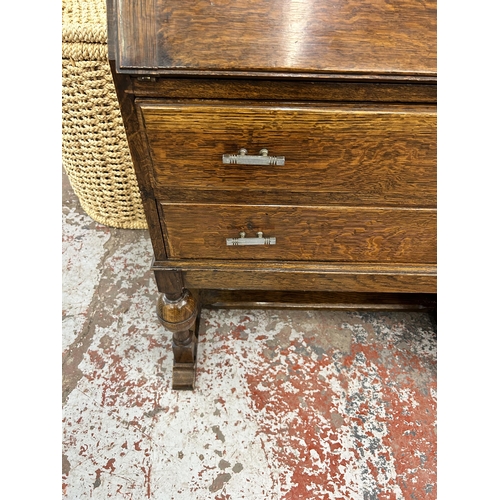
180,317
185,356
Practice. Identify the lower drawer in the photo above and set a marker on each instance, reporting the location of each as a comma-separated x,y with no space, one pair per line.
301,233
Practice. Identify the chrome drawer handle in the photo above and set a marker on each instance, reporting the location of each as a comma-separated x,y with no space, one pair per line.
242,240
262,159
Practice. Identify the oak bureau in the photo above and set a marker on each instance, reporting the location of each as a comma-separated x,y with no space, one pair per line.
285,151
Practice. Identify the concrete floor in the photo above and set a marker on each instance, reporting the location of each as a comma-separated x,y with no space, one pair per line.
288,405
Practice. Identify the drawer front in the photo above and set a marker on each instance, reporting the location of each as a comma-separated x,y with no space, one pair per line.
346,154
302,233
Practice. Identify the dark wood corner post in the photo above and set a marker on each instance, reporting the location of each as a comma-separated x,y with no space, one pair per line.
177,310
177,307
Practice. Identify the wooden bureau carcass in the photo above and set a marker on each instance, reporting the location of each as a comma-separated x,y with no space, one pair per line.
285,151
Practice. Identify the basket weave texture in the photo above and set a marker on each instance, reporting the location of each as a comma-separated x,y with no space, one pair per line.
95,151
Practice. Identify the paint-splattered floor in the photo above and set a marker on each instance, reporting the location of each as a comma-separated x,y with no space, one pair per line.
289,404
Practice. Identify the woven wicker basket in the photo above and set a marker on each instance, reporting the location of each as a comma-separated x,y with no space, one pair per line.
95,152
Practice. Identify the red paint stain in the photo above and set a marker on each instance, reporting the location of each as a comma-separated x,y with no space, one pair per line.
96,359
222,496
298,406
413,441
387,496
309,400
153,342
239,332
411,428
116,385
147,480
110,465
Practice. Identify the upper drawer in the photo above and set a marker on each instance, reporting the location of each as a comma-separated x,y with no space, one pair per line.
347,154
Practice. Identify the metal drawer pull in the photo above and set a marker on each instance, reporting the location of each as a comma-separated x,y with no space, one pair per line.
241,241
262,159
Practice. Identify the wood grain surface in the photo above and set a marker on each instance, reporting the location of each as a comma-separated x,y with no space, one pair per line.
279,299
305,282
370,155
136,33
345,90
140,157
303,276
302,36
310,90
342,234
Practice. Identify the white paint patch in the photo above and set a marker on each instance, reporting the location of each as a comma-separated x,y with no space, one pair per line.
82,253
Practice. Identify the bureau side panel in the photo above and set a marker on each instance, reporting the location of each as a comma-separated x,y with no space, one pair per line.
136,26
141,159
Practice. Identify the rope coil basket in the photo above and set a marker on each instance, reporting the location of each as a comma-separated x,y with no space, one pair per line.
95,151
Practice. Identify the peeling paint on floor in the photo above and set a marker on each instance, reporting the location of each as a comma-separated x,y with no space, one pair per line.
289,404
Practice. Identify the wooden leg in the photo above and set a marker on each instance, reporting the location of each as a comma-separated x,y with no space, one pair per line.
180,317
177,311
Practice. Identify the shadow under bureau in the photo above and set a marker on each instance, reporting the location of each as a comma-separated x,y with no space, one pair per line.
285,152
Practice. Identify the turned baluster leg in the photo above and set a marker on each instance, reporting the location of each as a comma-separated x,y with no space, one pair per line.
177,311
